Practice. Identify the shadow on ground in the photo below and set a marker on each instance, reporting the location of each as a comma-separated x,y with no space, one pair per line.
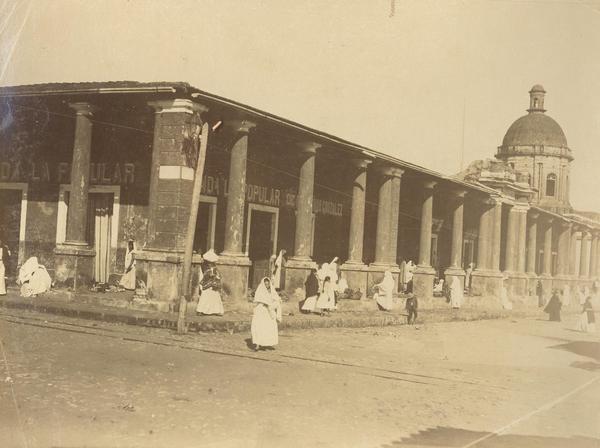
455,437
589,349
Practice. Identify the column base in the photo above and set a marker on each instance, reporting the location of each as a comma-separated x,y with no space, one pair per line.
161,271
74,265
452,272
486,283
532,279
357,276
375,273
234,270
423,282
517,284
546,286
296,272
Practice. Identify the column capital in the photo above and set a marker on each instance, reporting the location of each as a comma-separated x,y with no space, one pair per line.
83,108
533,215
308,147
458,194
177,105
429,184
520,208
390,171
240,126
361,164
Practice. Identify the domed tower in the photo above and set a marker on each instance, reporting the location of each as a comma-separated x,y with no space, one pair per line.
536,145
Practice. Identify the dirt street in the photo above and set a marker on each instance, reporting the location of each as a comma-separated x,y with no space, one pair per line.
72,383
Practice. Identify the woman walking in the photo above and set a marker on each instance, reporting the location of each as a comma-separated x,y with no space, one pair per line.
267,312
553,307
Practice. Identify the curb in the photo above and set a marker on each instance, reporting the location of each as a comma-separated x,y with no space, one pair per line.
212,324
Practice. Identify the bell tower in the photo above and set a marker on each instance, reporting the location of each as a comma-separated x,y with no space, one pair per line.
536,99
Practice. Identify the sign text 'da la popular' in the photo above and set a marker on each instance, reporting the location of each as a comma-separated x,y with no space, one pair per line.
60,173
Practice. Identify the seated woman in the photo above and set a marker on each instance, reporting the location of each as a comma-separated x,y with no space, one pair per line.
210,287
311,287
385,290
267,313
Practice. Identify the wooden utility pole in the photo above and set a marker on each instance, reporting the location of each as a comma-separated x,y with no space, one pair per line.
184,291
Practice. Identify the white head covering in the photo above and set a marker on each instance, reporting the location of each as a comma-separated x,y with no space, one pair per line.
324,271
387,283
263,295
210,256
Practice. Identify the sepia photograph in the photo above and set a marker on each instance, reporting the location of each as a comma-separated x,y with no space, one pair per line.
282,223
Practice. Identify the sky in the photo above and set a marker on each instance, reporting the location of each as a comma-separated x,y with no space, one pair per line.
433,82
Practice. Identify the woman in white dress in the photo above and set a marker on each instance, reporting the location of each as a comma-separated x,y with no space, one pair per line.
326,300
566,299
456,293
278,270
210,287
384,294
128,278
267,312
504,301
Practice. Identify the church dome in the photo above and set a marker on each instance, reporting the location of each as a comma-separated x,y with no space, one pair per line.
535,129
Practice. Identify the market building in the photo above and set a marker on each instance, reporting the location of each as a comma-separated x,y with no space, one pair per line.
86,167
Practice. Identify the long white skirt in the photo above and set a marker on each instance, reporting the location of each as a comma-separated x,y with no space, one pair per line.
325,302
310,304
384,301
128,280
210,303
582,323
264,327
2,280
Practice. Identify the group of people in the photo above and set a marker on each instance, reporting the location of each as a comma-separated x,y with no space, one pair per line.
587,318
267,312
33,278
322,288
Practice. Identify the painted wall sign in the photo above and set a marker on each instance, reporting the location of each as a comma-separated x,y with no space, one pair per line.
275,197
60,173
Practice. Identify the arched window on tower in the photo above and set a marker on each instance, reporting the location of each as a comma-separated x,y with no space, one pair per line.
551,185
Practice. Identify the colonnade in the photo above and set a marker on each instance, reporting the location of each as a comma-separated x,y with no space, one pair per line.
170,190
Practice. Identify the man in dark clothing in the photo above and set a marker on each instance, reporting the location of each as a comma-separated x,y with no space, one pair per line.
412,305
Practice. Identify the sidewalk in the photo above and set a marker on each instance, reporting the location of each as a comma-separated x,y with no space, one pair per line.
114,308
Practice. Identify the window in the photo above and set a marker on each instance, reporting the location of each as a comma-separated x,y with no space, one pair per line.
551,185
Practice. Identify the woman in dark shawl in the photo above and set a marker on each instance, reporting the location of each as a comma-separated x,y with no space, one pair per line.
553,307
312,292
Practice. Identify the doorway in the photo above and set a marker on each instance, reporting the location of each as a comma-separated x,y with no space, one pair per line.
10,227
100,213
261,240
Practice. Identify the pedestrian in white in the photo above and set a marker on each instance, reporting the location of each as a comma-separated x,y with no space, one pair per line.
278,270
326,300
267,312
456,293
4,254
566,300
128,278
385,290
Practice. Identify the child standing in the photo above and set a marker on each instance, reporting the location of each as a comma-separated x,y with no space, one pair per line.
326,300
412,305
